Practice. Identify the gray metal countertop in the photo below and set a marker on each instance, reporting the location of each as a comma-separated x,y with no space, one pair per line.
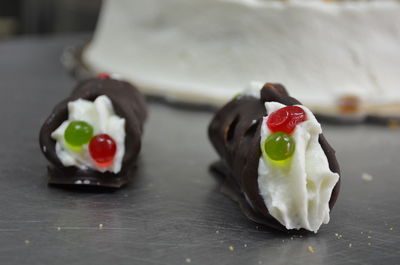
172,212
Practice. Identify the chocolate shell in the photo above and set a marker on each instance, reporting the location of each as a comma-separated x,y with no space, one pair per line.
235,133
128,103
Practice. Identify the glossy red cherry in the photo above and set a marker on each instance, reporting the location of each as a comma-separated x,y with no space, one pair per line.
286,119
102,149
104,75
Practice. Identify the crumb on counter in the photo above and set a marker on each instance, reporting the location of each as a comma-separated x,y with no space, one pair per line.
58,228
27,241
231,248
338,236
310,249
101,226
350,245
188,260
366,177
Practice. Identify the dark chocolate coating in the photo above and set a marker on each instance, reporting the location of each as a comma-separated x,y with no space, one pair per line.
127,102
235,132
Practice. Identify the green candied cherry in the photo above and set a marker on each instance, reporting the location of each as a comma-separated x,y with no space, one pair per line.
78,133
278,146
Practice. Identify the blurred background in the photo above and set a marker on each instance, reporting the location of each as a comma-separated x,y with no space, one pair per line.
358,63
18,17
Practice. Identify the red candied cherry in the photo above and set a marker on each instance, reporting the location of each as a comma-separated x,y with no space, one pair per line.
286,119
104,75
102,149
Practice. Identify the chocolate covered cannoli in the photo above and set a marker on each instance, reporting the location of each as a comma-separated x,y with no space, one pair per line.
93,137
275,161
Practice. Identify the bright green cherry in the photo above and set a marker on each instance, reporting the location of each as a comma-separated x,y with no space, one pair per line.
278,146
78,133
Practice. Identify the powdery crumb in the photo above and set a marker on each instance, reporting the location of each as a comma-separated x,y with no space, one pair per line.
231,248
101,226
391,229
58,228
259,262
245,245
188,260
367,177
27,241
369,243
369,236
310,249
217,232
350,245
338,236
291,238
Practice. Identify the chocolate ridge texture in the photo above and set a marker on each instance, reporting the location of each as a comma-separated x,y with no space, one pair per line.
235,132
127,102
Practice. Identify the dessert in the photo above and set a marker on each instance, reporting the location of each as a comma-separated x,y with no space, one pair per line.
207,51
93,137
275,161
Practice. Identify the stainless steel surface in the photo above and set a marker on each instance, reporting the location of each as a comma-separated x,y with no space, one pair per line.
172,213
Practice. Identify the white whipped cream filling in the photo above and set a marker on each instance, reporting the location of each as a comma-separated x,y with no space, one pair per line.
297,194
101,116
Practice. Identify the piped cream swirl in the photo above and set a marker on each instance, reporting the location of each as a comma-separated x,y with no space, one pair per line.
297,194
101,116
